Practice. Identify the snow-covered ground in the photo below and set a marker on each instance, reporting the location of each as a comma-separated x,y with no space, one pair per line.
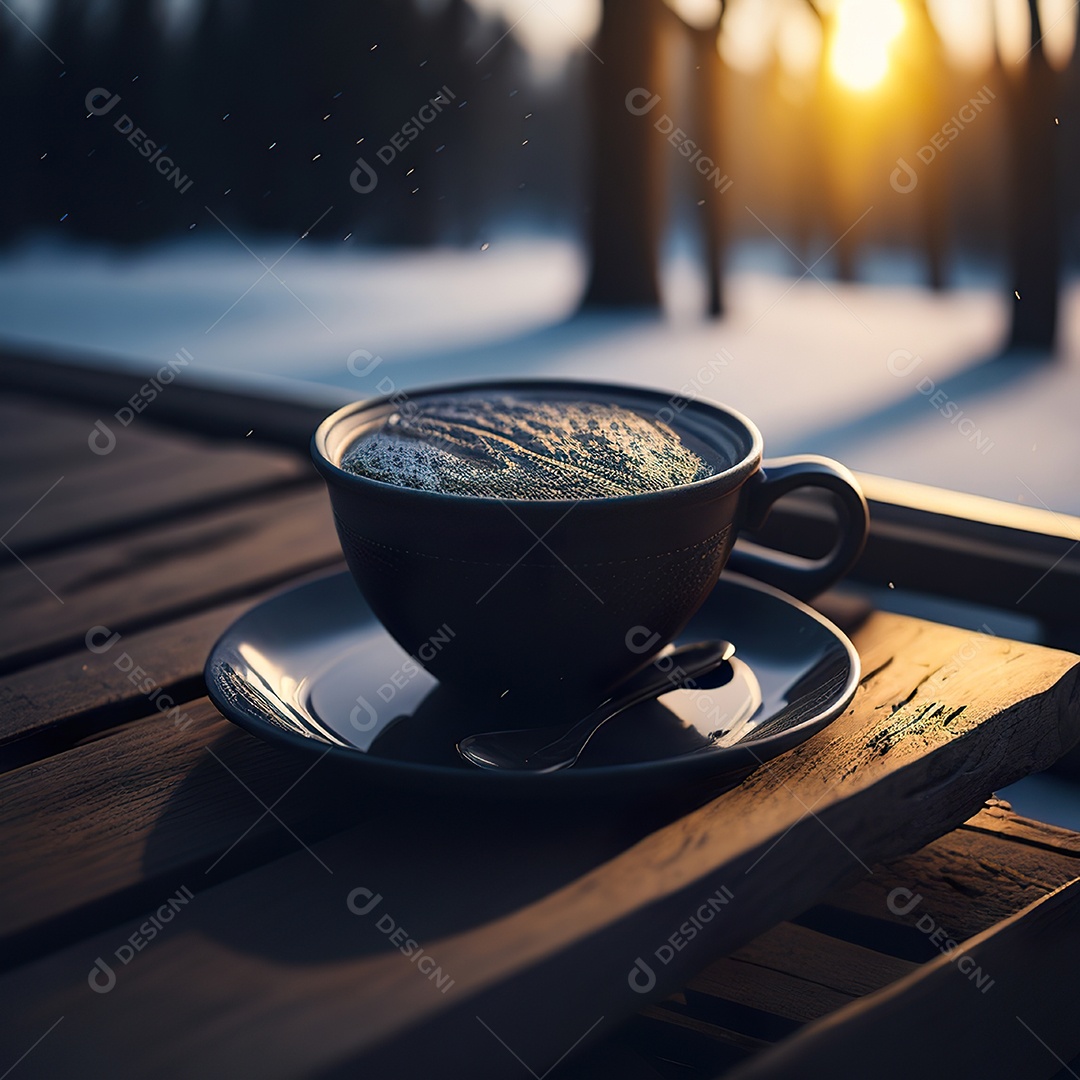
820,366
844,370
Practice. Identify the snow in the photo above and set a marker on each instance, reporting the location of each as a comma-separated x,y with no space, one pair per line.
808,360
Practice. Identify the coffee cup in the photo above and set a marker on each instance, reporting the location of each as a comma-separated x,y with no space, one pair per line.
556,599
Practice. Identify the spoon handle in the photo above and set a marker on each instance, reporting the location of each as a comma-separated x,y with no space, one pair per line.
671,671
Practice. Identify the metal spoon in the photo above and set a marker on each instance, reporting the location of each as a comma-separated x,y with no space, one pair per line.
547,749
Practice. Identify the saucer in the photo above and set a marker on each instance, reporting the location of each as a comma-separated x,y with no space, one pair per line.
313,669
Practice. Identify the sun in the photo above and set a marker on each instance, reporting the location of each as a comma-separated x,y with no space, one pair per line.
863,34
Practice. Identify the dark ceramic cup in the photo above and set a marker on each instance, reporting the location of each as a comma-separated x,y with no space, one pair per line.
557,599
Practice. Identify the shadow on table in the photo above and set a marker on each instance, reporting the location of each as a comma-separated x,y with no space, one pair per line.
299,851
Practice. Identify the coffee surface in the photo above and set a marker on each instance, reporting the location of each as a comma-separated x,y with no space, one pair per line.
508,447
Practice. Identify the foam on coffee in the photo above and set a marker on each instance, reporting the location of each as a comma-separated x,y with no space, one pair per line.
510,447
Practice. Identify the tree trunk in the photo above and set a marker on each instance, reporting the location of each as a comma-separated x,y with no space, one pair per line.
709,95
1035,245
624,223
936,182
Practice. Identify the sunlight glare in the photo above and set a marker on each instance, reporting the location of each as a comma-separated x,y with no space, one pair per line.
798,40
1059,18
700,14
1013,29
746,37
863,33
548,30
967,32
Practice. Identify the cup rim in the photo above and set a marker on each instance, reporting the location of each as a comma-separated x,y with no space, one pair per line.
727,480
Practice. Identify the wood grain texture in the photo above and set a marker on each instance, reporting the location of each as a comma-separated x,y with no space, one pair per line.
975,876
763,988
148,476
1015,984
926,740
964,893
223,409
51,706
92,835
162,572
826,961
997,818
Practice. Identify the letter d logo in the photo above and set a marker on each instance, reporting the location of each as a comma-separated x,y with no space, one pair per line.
363,178
93,97
371,362
100,631
634,638
903,178
901,362
362,707
634,977
903,901
371,898
636,96
95,443
101,968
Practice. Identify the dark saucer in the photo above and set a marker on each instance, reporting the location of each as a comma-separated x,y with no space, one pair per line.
313,669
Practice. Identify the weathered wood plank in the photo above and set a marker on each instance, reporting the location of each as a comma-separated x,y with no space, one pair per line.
162,572
924,743
997,818
701,1051
818,958
970,879
1013,988
49,707
936,875
193,402
147,476
670,1012
92,834
965,883
762,988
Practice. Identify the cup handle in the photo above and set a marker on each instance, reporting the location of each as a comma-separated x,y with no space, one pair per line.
802,578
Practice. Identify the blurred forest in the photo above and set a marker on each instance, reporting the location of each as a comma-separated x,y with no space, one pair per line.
266,104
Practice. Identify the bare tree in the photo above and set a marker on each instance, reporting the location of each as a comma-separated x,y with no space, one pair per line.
626,204
935,183
708,85
1034,215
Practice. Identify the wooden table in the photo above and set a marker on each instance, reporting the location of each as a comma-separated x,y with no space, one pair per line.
181,899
